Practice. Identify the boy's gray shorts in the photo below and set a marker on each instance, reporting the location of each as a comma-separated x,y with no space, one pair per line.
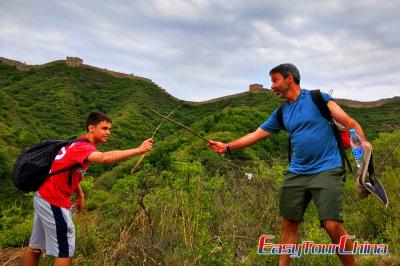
53,229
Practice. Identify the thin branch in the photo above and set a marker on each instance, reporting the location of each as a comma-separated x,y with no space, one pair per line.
139,162
179,124
15,256
173,111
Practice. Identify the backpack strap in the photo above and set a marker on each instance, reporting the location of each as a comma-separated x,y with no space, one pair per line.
70,141
65,169
279,114
70,168
326,113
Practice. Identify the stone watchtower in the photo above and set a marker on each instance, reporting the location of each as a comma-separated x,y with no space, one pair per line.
74,61
255,87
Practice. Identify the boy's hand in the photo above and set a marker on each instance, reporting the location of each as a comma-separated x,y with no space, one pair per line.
79,204
146,146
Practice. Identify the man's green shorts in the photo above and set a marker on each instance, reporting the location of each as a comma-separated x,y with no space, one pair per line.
325,188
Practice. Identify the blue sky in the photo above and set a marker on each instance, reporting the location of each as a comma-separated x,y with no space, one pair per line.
199,50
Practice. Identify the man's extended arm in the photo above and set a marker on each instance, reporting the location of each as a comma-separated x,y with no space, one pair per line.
245,141
116,156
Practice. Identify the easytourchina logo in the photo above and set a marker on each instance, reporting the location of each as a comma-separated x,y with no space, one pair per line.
309,247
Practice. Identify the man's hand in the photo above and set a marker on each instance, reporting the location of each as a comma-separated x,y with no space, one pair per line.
146,146
217,147
366,143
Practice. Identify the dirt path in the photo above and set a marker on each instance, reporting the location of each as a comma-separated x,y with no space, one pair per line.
11,256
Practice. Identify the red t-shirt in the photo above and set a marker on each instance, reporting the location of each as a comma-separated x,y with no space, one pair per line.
56,189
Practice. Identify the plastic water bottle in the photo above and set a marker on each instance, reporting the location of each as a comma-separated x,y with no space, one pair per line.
357,148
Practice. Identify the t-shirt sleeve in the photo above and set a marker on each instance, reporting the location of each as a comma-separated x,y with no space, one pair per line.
80,151
271,124
326,97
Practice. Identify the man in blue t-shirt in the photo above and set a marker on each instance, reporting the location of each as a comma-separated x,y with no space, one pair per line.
315,170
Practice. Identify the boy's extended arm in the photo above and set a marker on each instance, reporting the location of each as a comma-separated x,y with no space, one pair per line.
116,156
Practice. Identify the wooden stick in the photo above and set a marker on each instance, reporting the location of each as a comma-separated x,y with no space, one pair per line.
179,124
173,111
139,162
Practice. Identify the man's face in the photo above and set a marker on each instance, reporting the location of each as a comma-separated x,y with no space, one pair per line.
279,84
101,131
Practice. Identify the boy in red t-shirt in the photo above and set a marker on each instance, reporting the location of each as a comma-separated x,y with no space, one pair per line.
53,229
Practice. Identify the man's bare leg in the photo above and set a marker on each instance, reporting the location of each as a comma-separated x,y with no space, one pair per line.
289,235
335,230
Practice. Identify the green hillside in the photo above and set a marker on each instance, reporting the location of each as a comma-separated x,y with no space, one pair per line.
186,205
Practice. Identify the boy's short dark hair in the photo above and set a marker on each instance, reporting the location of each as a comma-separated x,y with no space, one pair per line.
285,70
95,118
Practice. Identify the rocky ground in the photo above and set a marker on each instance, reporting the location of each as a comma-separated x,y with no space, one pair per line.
11,256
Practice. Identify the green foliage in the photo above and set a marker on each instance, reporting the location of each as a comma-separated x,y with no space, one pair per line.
5,170
15,226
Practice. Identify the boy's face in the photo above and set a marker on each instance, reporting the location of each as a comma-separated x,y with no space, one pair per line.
101,131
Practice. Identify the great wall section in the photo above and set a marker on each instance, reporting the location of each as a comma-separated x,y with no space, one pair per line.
72,62
253,88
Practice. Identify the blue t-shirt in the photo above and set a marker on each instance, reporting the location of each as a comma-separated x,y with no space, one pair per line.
314,145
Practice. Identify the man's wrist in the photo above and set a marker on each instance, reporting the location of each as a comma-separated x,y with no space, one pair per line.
228,148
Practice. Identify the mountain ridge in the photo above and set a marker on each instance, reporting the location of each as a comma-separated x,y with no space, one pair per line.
347,102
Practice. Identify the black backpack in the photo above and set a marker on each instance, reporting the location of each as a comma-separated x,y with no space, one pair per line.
33,165
326,113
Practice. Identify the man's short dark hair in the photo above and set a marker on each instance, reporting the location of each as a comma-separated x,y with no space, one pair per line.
95,118
286,70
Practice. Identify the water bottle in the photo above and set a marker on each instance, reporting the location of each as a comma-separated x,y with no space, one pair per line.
356,146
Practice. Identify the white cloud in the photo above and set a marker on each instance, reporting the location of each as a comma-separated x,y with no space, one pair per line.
201,49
